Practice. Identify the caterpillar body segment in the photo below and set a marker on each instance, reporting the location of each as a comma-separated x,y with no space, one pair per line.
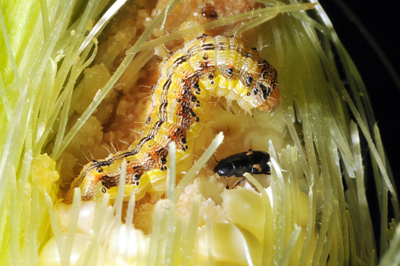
205,67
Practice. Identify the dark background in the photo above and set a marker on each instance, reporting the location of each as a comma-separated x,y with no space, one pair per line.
381,21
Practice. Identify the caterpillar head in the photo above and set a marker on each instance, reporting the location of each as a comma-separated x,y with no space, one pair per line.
262,96
269,97
268,87
262,90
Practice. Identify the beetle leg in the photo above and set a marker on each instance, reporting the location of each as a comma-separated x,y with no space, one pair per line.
240,182
215,158
226,181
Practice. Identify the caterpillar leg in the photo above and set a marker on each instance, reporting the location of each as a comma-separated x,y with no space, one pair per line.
222,105
230,107
158,181
250,113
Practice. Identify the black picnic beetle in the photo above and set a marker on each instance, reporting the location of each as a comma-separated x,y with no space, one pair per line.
253,162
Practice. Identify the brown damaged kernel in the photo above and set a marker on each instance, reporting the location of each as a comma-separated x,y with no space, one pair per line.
208,11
